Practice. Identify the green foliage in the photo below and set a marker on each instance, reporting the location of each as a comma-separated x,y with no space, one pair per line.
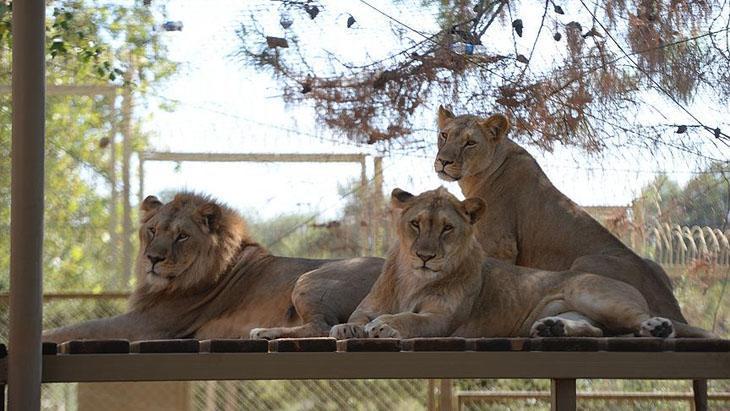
360,229
88,43
703,201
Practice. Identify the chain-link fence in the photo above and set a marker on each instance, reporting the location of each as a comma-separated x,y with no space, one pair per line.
700,290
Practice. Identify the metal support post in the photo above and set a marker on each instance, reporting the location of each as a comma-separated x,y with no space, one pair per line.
26,213
562,394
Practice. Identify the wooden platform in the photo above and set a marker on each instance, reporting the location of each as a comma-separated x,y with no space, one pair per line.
325,358
563,360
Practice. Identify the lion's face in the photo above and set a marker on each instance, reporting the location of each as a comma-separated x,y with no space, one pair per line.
435,228
186,242
466,144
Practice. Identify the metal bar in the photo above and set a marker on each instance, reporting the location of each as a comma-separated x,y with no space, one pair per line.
4,298
70,90
466,364
256,157
490,396
26,213
562,394
113,200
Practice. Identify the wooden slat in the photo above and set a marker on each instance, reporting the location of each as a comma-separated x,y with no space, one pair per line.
498,344
94,347
565,344
369,345
700,345
165,346
434,344
234,346
50,348
632,344
324,344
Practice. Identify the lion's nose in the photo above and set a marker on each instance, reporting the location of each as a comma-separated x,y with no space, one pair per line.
445,163
425,257
155,258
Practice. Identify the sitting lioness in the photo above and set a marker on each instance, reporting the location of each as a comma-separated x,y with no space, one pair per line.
202,276
528,222
436,281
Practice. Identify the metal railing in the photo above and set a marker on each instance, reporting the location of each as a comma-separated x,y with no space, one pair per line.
465,399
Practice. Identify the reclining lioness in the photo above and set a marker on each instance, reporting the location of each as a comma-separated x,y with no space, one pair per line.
201,275
528,222
436,281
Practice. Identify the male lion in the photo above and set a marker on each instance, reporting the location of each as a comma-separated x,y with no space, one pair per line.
202,276
528,222
436,281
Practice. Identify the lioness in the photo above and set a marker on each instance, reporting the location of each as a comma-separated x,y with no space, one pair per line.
204,277
529,222
436,281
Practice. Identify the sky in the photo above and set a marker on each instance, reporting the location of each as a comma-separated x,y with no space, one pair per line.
220,105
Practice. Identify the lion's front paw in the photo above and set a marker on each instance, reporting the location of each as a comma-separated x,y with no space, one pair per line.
657,327
380,329
345,331
264,334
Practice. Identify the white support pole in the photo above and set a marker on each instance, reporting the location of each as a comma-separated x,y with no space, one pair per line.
26,215
126,128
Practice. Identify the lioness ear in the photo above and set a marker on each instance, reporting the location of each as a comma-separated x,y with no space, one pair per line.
149,205
474,208
497,125
444,116
399,198
210,214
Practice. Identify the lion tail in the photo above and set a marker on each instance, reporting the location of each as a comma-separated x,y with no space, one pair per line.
687,331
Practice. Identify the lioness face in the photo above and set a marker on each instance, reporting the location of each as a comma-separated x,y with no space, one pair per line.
180,242
434,227
466,144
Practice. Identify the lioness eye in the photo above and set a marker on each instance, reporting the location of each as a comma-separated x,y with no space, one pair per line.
443,135
448,227
470,143
151,230
182,237
414,224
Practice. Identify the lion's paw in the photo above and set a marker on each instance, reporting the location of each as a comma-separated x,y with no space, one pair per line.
264,334
345,331
548,327
379,329
657,327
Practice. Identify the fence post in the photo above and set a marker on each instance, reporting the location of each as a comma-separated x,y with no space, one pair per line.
562,394
431,400
446,396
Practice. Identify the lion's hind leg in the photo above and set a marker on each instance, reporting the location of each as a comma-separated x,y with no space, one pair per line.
616,305
314,304
568,324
